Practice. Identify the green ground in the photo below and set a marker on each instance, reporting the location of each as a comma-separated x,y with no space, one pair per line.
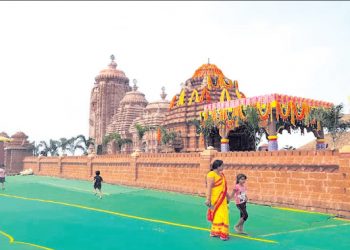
52,213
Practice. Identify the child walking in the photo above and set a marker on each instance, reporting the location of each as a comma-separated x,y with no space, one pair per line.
2,177
98,183
240,195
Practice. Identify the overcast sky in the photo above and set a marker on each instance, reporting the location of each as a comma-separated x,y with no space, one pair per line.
50,53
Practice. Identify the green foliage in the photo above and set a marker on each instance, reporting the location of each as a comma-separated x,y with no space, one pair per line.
331,121
117,139
167,136
252,125
49,148
141,130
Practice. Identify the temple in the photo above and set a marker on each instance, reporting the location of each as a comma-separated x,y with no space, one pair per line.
109,88
209,95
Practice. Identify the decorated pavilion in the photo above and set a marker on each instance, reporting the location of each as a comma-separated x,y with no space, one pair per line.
213,96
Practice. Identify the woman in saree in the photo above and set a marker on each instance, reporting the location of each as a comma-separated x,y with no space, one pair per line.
217,199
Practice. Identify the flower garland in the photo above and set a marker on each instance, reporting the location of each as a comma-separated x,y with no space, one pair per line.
181,100
172,102
241,114
280,110
260,107
209,82
205,95
194,94
224,93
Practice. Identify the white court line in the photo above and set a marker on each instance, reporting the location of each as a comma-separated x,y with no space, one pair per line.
304,230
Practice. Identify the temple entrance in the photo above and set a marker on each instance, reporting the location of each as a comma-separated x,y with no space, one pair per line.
214,139
239,140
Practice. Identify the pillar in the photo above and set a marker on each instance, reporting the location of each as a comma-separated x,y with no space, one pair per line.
320,144
273,143
225,147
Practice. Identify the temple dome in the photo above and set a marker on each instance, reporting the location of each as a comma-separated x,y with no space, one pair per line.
20,135
208,69
3,134
162,104
111,72
130,107
134,97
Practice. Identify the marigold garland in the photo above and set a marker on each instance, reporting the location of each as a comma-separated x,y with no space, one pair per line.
194,94
172,102
241,114
283,114
205,95
225,93
181,100
263,115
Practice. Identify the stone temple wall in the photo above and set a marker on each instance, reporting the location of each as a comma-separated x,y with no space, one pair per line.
315,181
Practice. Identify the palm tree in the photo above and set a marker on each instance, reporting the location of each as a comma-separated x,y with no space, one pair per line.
71,145
255,132
63,144
51,148
82,143
117,139
36,148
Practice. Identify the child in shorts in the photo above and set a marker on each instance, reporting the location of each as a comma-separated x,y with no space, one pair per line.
98,183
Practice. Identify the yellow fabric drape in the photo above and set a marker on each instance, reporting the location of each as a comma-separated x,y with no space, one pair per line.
220,220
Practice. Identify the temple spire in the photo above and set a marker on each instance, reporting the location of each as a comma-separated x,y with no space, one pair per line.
134,88
163,94
113,64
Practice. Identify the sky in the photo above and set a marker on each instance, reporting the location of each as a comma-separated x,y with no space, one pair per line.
50,53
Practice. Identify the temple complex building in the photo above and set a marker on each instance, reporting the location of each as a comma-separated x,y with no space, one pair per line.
208,110
153,116
13,150
109,89
207,85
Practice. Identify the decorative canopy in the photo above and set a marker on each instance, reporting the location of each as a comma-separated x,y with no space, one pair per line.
265,99
295,110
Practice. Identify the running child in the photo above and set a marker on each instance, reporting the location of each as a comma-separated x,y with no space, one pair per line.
98,183
240,195
2,177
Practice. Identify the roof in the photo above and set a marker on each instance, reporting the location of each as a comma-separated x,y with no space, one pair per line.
111,72
208,69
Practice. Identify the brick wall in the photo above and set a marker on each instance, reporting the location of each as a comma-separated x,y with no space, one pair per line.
316,181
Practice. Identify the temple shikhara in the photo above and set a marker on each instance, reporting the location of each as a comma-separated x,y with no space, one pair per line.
209,96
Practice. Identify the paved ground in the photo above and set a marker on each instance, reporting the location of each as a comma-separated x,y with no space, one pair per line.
51,213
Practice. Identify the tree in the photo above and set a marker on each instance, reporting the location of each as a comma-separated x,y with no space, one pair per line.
71,145
36,149
141,130
331,120
117,139
82,143
252,125
63,144
51,148
206,128
167,136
